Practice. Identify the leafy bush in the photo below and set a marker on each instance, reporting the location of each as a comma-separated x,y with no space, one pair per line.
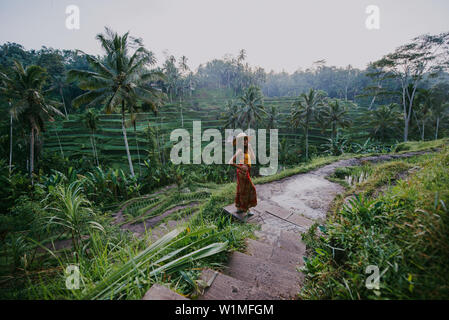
72,211
336,146
403,146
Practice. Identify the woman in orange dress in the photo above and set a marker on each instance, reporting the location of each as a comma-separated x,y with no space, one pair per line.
245,196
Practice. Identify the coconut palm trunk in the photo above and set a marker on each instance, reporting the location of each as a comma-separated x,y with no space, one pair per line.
32,155
59,142
125,138
334,129
63,101
94,150
138,151
182,117
307,142
95,147
10,142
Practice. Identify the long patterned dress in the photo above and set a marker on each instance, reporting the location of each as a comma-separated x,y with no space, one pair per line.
245,196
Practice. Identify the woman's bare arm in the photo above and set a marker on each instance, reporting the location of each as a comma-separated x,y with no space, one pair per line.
233,160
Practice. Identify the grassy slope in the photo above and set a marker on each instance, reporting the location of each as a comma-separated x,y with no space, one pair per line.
403,230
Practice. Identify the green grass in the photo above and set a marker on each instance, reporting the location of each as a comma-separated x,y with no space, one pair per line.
420,145
404,231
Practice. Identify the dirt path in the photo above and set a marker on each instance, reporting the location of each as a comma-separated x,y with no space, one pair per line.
296,202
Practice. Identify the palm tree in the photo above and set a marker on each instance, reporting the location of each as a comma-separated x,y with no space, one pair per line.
302,111
334,114
190,82
231,115
29,106
10,138
241,56
171,75
382,120
273,117
184,83
91,122
59,83
119,80
252,109
183,64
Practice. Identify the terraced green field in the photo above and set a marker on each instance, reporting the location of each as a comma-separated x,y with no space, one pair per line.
73,137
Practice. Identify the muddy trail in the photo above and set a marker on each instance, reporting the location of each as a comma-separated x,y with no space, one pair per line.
269,267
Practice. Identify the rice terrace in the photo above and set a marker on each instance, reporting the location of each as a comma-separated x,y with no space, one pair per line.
128,172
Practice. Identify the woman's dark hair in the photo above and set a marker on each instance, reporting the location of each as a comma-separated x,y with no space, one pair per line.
245,145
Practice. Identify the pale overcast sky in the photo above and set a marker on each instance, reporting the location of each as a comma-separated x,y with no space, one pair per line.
277,34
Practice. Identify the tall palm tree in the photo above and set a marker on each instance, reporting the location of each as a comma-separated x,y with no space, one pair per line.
172,76
334,114
241,56
273,118
252,109
59,83
303,110
183,64
383,120
10,138
28,104
120,80
91,122
231,115
183,83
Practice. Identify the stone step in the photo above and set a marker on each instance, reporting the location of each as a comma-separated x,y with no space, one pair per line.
232,210
223,287
265,275
276,210
290,260
159,292
289,241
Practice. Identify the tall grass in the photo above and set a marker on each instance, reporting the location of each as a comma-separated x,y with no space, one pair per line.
72,211
148,263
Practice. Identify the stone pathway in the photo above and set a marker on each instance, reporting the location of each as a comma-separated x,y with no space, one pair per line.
286,208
